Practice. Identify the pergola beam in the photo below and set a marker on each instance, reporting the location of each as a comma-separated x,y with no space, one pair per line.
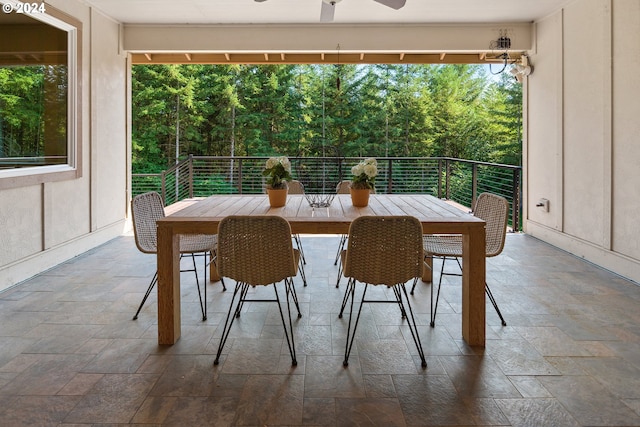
319,58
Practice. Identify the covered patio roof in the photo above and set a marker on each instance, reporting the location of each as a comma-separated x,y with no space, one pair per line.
422,32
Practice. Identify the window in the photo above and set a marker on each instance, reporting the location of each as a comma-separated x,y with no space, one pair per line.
39,83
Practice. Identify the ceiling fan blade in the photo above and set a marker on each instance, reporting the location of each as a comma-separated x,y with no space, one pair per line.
394,4
327,11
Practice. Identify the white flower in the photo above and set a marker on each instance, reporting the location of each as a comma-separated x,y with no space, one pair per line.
371,161
272,162
370,170
358,169
286,164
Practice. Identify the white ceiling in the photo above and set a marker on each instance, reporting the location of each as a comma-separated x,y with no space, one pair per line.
308,11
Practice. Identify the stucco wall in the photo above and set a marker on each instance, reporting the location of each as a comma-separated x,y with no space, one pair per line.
45,224
583,139
626,128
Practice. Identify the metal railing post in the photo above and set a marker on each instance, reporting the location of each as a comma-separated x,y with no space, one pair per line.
163,187
439,178
474,184
516,201
390,180
447,169
190,165
240,176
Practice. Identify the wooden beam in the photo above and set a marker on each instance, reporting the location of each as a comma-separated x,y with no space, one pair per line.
317,58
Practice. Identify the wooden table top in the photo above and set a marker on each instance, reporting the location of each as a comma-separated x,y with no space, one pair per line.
436,215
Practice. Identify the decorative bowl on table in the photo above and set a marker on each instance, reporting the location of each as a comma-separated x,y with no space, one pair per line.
319,200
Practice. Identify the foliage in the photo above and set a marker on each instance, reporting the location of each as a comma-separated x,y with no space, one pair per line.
302,110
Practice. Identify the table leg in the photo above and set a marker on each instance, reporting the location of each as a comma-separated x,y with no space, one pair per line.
427,270
473,282
213,272
168,286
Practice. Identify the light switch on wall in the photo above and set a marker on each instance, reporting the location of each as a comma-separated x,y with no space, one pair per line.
543,204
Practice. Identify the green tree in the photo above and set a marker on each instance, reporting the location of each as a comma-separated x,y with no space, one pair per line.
21,111
457,91
323,110
504,106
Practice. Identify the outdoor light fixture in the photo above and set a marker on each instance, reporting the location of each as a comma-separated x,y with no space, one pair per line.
522,70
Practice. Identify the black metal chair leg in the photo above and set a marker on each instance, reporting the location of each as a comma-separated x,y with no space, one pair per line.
415,282
343,240
146,295
351,334
243,296
288,286
213,261
298,240
345,298
396,292
495,304
434,308
413,327
486,288
339,275
238,291
195,270
302,273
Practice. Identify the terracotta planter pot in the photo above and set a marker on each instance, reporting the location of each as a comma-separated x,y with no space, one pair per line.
277,197
359,197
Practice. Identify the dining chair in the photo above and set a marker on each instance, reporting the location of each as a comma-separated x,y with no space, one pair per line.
257,251
146,209
494,210
296,187
343,188
387,251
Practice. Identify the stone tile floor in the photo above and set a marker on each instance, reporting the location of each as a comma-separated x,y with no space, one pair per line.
570,356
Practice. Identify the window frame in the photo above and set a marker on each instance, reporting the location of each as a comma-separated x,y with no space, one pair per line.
33,175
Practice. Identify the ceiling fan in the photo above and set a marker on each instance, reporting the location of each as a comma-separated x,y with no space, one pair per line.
329,7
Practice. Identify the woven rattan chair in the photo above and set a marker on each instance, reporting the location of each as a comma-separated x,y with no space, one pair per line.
146,209
343,188
257,251
383,250
296,187
494,210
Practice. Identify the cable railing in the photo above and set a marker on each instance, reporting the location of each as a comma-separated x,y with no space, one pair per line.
447,178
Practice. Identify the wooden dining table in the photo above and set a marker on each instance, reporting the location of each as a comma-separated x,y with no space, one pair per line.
437,217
